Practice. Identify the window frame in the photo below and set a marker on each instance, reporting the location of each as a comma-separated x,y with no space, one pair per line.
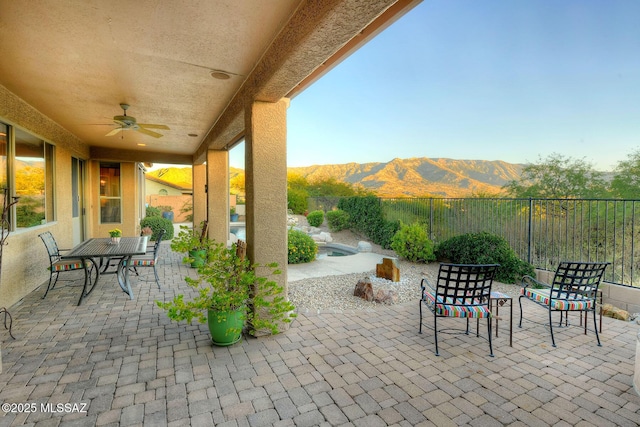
49,192
101,197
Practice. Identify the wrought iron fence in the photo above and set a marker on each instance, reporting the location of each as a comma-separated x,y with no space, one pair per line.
541,231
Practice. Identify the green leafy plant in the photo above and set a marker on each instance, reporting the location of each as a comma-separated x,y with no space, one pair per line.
302,248
189,239
116,232
157,223
412,243
366,216
337,220
228,282
315,218
485,248
153,211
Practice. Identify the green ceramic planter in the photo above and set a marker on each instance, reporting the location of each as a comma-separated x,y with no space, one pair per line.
198,257
225,326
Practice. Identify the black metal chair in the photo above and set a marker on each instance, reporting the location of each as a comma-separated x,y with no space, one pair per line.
462,291
57,265
574,288
150,259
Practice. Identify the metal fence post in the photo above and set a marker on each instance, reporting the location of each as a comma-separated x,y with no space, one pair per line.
529,233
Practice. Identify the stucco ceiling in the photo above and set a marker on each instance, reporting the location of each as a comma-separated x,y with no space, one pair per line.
76,61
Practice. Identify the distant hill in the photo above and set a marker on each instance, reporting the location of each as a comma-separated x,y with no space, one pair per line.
420,176
399,177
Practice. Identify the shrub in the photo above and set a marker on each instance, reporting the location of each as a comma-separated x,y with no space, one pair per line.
297,200
365,216
485,248
302,248
337,220
315,218
157,223
412,243
153,211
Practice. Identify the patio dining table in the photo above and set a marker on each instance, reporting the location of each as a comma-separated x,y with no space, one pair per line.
103,248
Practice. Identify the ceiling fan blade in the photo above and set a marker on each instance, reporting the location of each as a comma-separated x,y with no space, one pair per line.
115,131
152,126
149,132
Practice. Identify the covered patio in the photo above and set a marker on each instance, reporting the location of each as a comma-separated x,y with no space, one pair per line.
131,366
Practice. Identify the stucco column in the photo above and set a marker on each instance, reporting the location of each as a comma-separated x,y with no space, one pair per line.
266,185
199,173
218,195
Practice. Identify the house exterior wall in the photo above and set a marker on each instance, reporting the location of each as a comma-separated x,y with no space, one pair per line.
154,188
25,259
129,223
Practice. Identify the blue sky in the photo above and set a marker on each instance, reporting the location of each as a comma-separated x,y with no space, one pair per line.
480,80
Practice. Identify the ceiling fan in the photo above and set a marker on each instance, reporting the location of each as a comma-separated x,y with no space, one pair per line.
125,122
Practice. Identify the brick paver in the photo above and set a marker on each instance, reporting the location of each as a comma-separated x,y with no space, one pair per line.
130,365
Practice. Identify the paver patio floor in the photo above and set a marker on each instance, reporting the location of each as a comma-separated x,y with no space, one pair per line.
130,365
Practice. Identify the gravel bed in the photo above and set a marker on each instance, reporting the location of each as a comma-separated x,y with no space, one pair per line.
335,293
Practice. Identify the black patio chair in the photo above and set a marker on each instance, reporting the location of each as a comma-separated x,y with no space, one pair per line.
463,291
150,259
58,265
574,288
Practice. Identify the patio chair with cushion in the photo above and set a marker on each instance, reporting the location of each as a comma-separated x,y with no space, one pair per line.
461,291
58,265
150,259
574,288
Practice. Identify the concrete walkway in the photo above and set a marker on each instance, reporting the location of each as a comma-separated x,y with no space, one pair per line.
118,362
334,265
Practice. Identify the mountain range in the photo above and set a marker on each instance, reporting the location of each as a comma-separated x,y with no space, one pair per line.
438,177
421,176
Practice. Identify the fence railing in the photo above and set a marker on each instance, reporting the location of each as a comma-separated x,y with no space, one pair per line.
541,231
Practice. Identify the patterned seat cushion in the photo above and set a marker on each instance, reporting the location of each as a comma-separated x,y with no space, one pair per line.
142,261
67,265
448,309
574,303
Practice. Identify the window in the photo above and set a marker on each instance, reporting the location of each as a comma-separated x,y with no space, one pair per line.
110,199
27,170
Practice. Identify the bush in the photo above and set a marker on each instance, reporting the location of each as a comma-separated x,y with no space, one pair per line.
152,211
485,248
302,248
297,200
366,217
157,223
337,220
315,218
412,243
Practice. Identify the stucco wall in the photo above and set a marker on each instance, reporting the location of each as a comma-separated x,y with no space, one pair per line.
25,260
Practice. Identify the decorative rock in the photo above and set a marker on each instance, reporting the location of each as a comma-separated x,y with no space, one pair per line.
388,270
323,236
364,246
386,297
615,312
292,220
364,290
326,236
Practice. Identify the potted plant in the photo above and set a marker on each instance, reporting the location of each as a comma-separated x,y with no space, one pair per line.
230,297
232,214
192,243
115,234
